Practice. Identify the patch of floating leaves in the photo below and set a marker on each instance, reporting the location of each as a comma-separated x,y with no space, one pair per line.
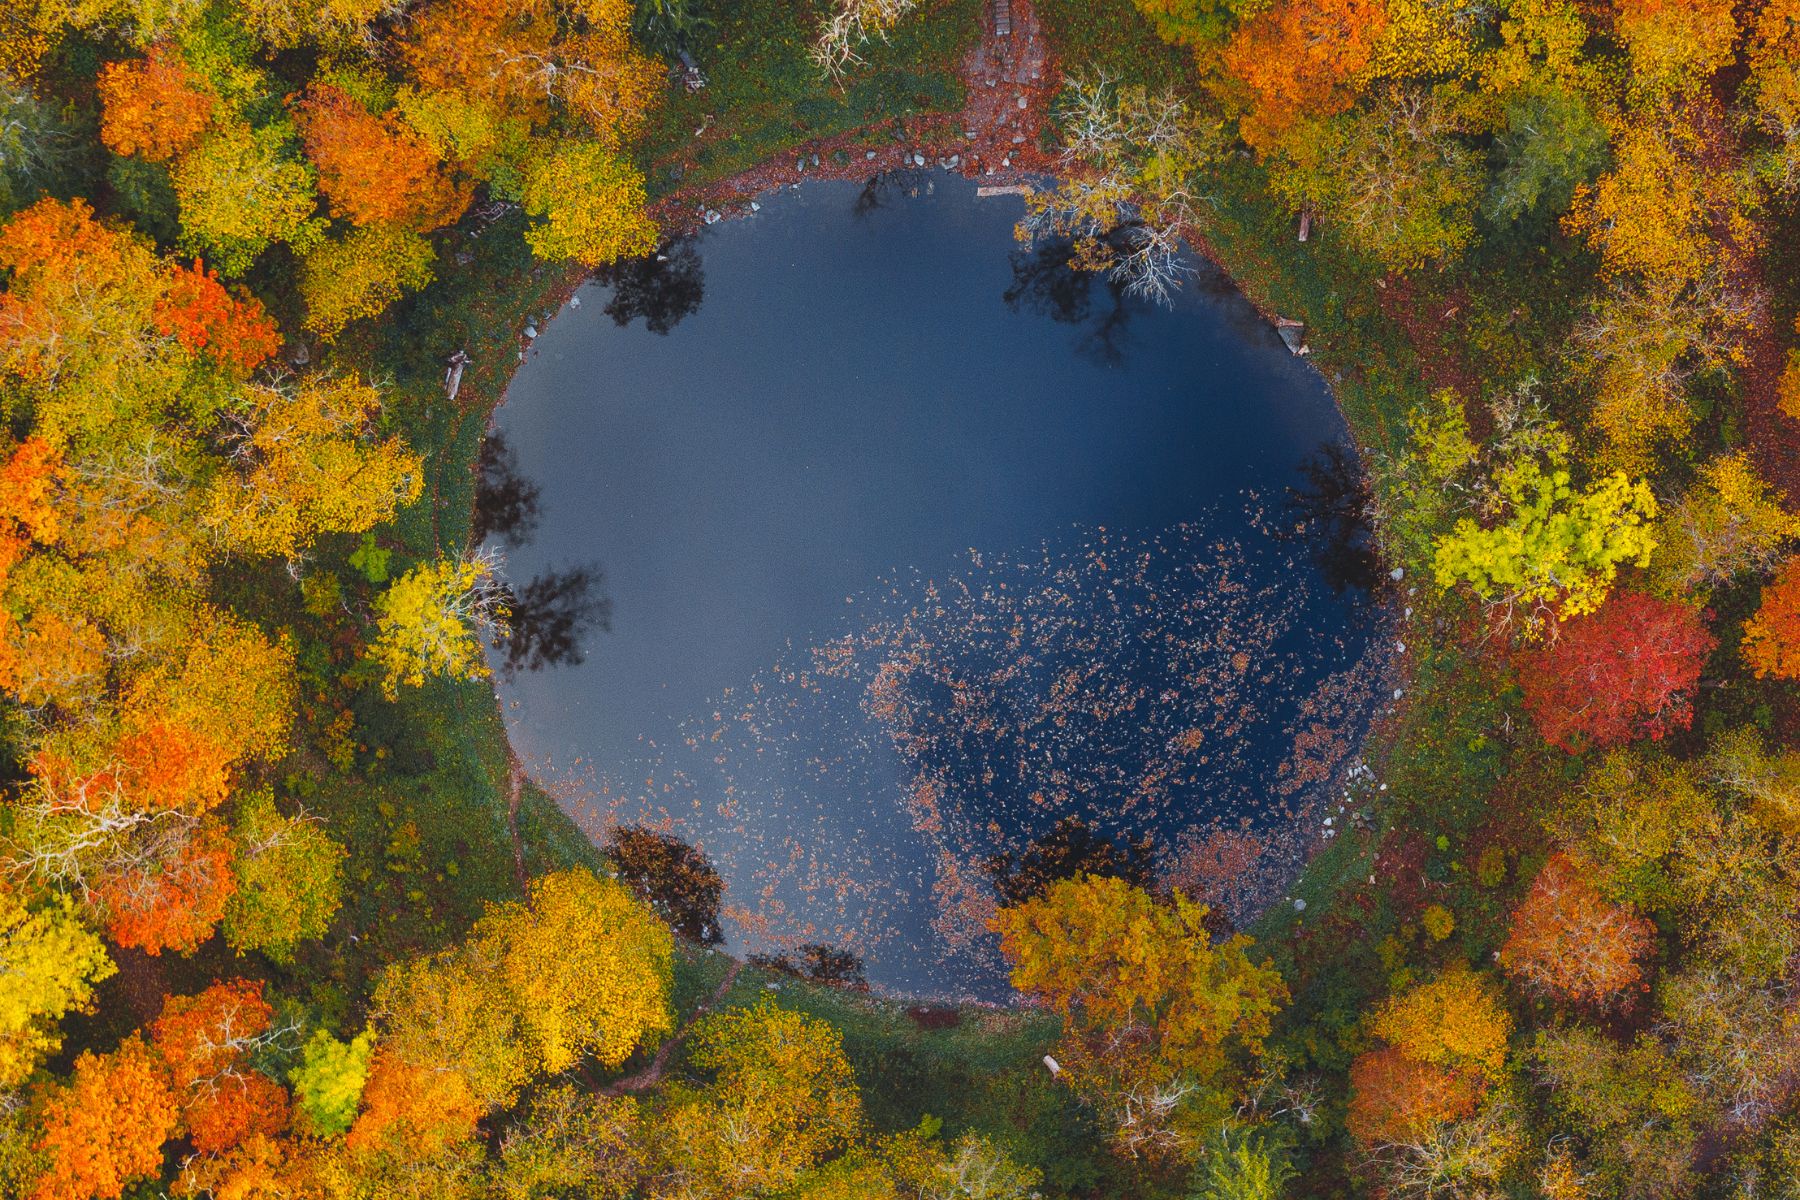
1172,686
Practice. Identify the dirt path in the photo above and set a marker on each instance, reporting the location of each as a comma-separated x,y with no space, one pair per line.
515,788
652,1075
996,138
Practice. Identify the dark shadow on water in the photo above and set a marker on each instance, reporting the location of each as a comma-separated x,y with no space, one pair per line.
1070,848
506,503
1331,512
551,617
662,288
1049,280
882,190
674,878
820,963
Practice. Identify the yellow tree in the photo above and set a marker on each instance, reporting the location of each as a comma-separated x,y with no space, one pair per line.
589,205
782,1098
308,464
1151,1002
359,275
52,964
430,621
589,966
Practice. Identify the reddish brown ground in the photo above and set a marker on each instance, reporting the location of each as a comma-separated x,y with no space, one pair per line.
1011,82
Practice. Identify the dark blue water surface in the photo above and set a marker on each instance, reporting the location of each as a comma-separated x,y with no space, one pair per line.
915,542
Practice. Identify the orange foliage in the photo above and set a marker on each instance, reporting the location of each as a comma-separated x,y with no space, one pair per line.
234,331
258,1168
165,765
26,485
107,1126
412,1111
1297,58
373,168
1570,940
234,1110
1395,1099
202,1035
202,1040
65,266
170,904
154,107
1772,636
54,237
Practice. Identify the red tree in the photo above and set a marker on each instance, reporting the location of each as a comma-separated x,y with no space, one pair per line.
1624,672
235,331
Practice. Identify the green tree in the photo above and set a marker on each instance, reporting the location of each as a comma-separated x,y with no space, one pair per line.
1551,142
290,880
328,1083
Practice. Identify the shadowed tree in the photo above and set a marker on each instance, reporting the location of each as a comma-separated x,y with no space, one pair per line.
662,288
1051,277
549,617
506,503
820,963
1071,848
1333,517
674,878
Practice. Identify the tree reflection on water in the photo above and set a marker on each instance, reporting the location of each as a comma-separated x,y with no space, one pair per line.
506,503
1333,509
662,288
1070,848
1050,279
550,619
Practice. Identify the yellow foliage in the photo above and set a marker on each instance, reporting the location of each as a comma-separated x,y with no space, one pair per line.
429,622
590,206
311,468
1675,44
1554,547
1728,522
1456,1020
782,1099
49,964
1106,955
1536,35
1425,39
359,275
587,964
240,190
1648,215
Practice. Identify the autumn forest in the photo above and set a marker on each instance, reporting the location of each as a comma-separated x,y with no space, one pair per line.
284,917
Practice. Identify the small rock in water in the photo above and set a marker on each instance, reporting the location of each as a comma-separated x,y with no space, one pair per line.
755,207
